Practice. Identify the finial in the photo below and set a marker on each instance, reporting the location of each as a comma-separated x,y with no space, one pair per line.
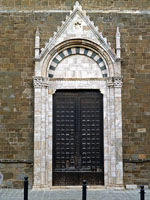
37,33
118,51
37,43
77,5
118,32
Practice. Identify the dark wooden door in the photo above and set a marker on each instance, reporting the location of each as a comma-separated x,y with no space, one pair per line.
78,137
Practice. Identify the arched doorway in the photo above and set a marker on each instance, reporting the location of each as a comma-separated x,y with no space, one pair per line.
75,64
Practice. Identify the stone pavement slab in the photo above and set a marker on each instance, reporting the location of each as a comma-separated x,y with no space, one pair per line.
69,194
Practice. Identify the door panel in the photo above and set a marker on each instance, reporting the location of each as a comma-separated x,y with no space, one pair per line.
64,133
91,139
78,137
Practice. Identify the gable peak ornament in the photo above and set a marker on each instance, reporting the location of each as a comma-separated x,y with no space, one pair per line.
77,6
75,21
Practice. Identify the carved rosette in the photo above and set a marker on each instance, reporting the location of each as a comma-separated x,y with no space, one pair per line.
114,82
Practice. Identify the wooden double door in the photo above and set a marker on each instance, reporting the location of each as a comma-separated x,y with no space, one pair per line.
78,137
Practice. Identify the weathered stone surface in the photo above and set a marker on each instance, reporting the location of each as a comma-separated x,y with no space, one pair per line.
67,4
14,173
137,173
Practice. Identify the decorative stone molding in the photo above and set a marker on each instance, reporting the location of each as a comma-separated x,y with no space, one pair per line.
43,127
118,82
114,82
77,51
77,10
77,6
38,82
79,34
110,82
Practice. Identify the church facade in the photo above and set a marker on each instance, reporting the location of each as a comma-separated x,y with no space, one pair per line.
75,94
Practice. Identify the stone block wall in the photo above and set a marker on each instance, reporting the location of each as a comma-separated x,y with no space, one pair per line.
17,31
14,174
67,4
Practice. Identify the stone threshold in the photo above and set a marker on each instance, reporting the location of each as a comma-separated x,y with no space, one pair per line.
89,187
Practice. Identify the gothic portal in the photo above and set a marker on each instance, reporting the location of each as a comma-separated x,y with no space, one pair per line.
77,106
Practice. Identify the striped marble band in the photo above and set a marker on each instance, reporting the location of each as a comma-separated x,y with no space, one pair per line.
77,51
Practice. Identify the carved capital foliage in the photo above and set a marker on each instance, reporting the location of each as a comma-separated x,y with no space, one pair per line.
114,82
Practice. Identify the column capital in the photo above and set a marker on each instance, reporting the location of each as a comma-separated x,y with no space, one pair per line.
118,81
115,81
39,82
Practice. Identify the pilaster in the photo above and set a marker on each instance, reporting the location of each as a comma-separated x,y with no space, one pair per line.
115,111
40,91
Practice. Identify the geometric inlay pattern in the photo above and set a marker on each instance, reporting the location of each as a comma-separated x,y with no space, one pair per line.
77,51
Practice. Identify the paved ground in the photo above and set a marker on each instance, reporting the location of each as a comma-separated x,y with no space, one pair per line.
9,194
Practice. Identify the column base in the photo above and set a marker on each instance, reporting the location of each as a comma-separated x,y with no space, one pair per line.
115,187
40,187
